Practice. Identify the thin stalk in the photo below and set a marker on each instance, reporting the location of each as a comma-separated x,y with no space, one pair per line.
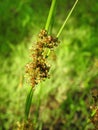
48,22
53,20
62,27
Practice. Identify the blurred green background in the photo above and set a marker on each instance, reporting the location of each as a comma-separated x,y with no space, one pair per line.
65,97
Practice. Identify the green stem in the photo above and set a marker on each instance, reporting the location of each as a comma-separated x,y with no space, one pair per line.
62,27
28,102
50,15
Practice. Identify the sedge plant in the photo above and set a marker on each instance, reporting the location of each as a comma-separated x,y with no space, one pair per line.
38,69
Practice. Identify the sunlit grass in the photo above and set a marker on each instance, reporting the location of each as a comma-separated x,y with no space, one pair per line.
67,72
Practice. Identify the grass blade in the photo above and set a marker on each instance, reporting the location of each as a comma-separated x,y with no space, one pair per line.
28,102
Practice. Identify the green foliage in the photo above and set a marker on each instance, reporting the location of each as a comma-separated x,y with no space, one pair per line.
17,19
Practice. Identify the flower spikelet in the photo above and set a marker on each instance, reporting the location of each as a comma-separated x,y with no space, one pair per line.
38,69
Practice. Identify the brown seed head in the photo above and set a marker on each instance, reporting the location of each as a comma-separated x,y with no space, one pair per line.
38,69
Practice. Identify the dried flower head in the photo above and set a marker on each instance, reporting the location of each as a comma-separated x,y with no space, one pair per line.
25,125
38,68
94,117
94,108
